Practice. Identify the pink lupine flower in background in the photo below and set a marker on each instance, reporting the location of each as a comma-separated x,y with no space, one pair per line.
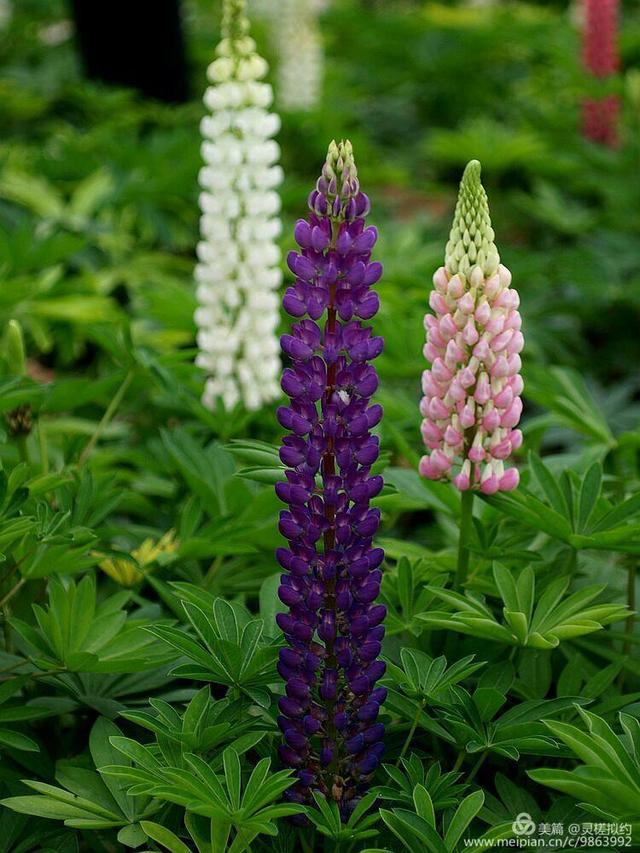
600,57
471,404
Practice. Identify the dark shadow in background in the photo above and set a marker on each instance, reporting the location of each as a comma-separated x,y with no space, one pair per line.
134,43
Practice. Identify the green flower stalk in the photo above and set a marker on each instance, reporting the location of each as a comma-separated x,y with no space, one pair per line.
14,348
20,419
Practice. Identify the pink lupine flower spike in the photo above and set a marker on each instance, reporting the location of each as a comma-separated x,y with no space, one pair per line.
471,404
601,60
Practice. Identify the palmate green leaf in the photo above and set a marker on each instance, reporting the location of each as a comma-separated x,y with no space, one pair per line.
186,645
488,701
86,784
132,835
231,648
244,810
573,509
103,752
48,807
32,192
617,514
404,593
429,678
20,713
443,788
77,634
326,819
414,832
471,720
233,776
466,623
228,625
135,752
396,549
255,452
260,474
11,713
589,494
14,529
82,799
203,726
270,604
204,469
411,711
140,783
419,493
423,804
608,779
565,393
526,507
132,650
16,740
160,834
624,539
549,486
462,817
538,624
90,194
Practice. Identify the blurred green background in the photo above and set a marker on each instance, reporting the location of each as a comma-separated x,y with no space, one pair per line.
98,188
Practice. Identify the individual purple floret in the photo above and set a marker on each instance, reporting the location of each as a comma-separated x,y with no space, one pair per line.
332,573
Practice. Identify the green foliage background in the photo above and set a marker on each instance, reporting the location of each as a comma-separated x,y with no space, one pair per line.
525,685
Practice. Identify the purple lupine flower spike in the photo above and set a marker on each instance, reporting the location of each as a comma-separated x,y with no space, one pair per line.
332,570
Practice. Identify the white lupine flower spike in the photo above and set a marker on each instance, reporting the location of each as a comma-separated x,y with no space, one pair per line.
298,43
238,272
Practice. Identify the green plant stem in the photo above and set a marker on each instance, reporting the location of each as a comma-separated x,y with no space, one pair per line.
631,603
466,522
6,613
12,592
213,571
23,450
630,622
476,767
112,408
412,731
44,449
9,669
304,843
41,674
459,761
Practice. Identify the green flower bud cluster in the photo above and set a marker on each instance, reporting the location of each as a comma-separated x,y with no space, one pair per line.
337,190
471,239
236,57
235,24
340,163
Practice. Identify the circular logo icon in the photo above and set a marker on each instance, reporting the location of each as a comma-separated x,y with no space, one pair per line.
524,824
